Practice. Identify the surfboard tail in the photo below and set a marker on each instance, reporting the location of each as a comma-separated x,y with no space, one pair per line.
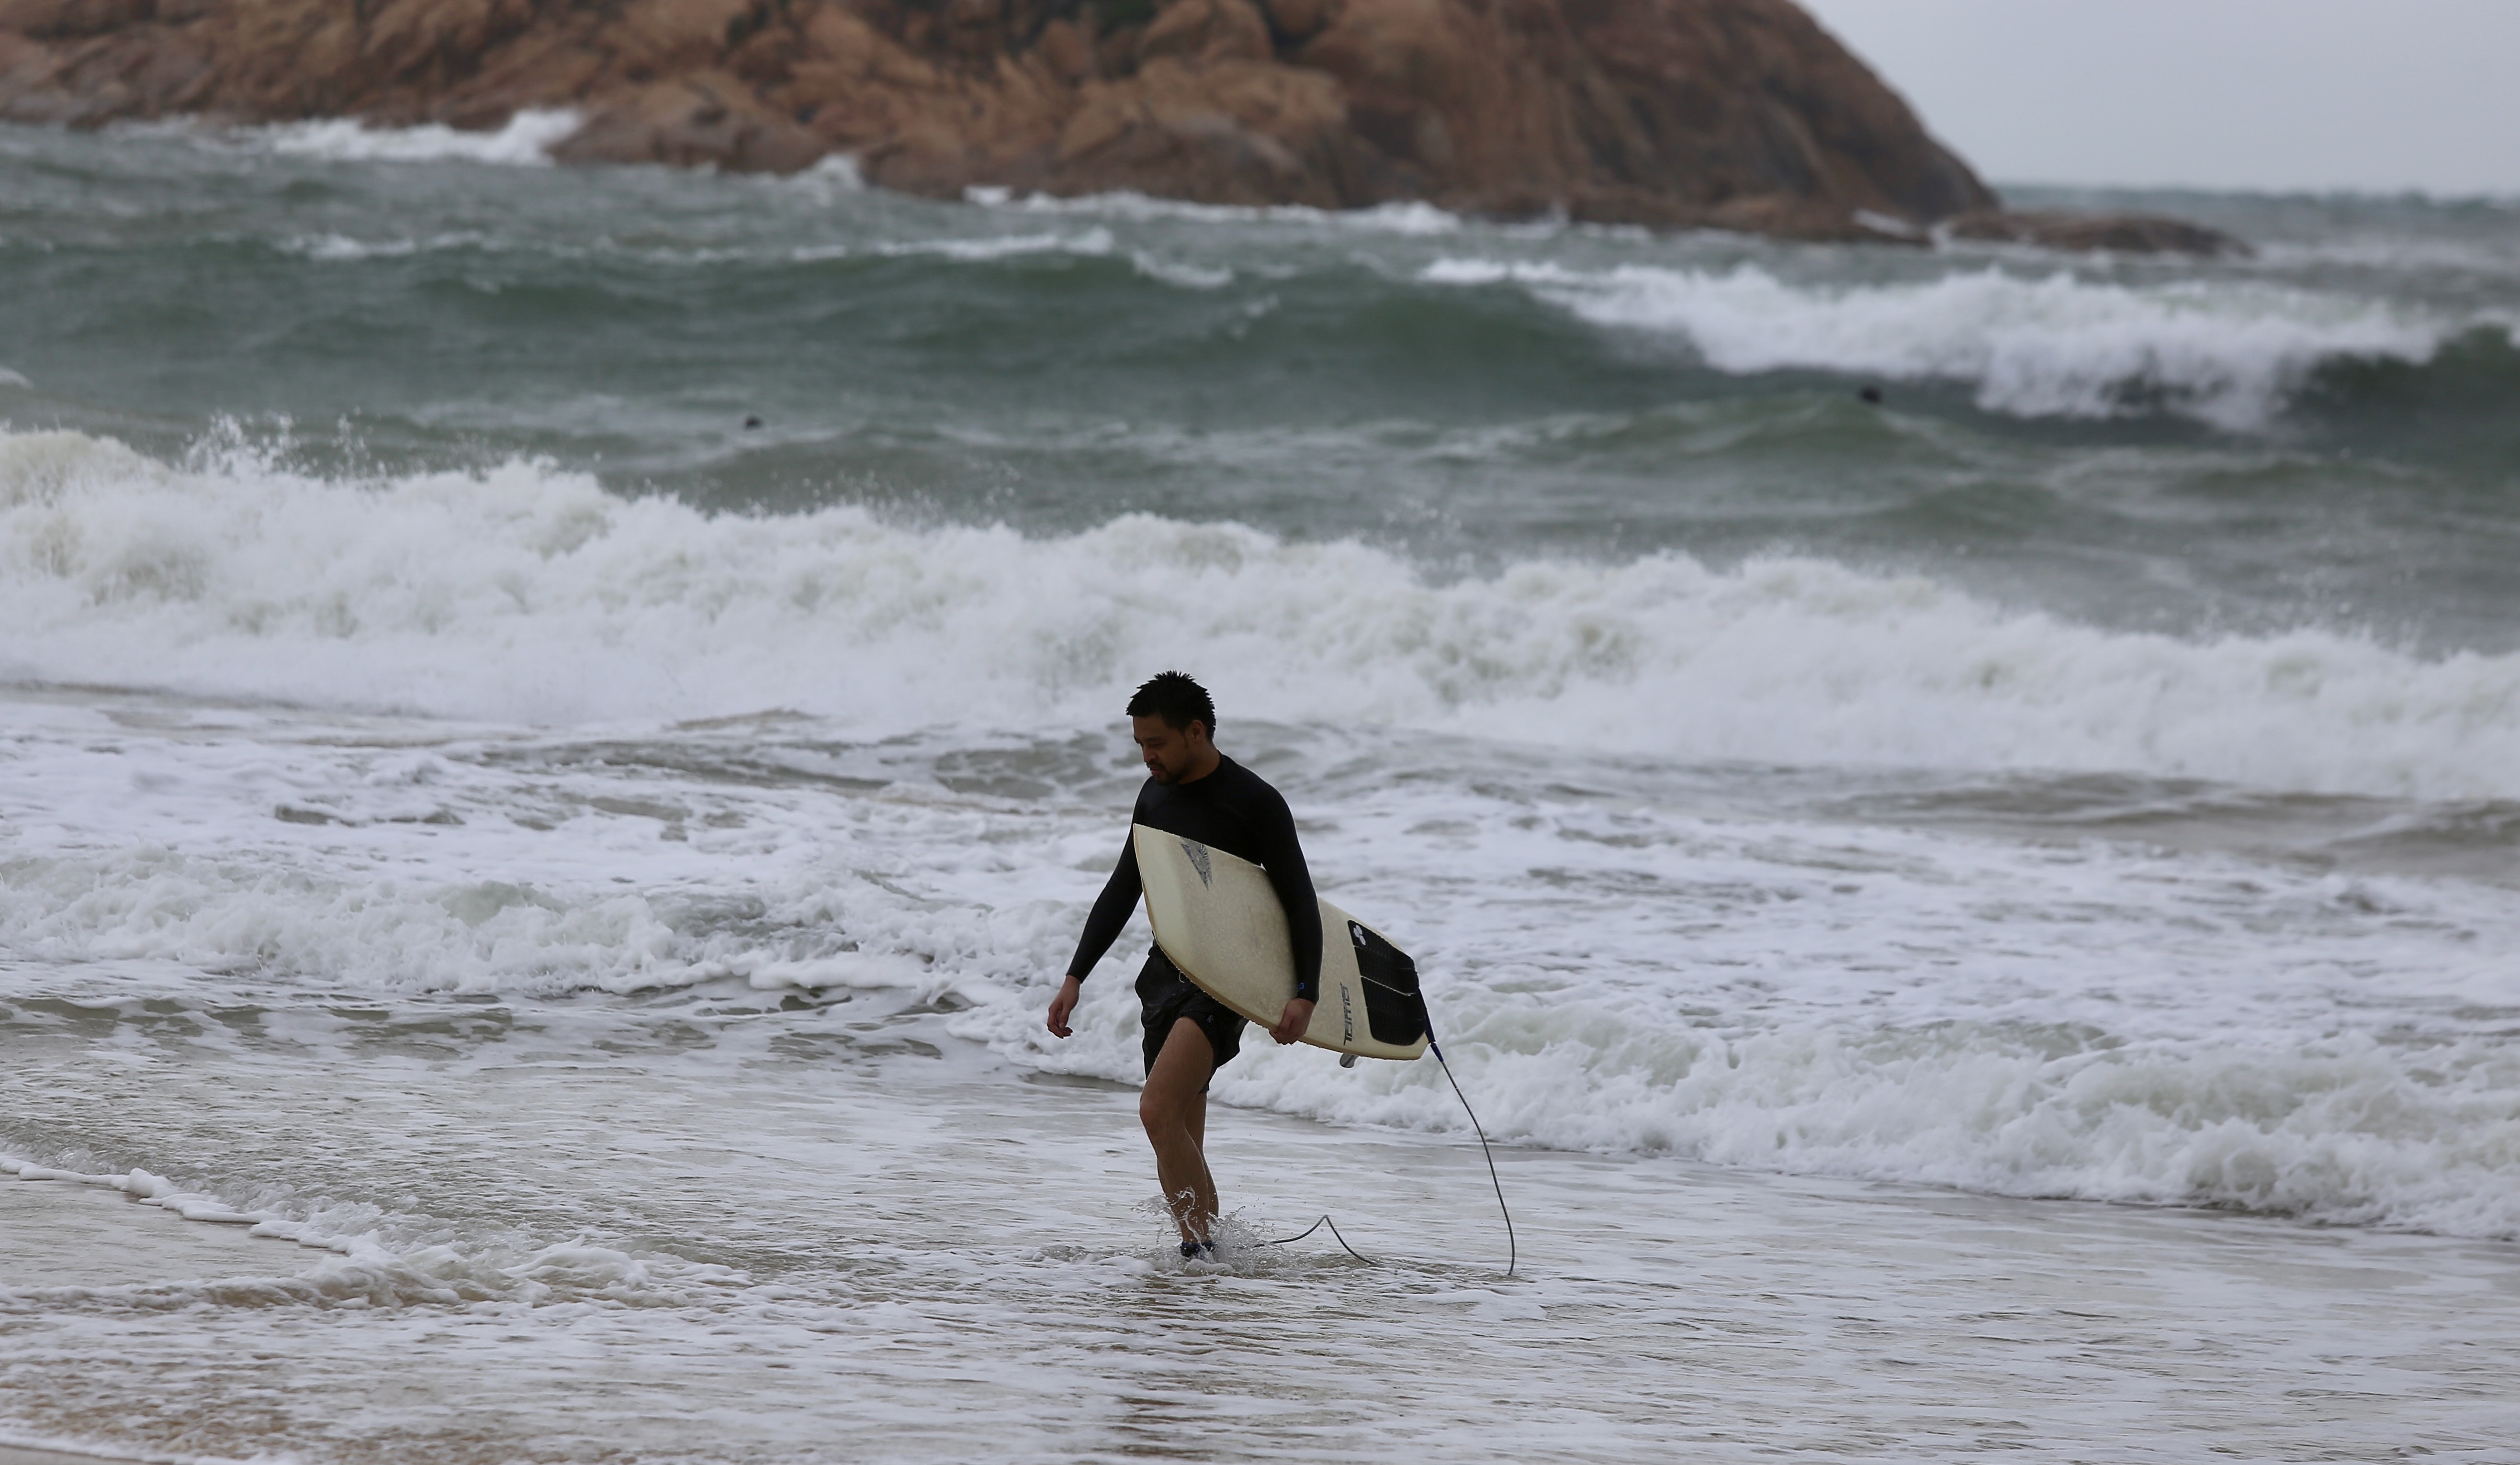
1395,1007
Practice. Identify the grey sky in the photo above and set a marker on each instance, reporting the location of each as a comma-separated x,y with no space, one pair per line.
2376,95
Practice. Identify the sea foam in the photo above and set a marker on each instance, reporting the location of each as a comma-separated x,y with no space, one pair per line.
1407,219
528,594
2088,1020
525,140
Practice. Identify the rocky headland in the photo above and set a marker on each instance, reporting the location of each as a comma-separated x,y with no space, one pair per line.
1673,113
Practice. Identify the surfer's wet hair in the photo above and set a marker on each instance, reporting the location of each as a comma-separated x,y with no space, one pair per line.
1177,700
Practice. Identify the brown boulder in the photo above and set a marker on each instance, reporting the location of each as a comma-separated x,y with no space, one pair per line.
655,38
1297,20
1239,132
63,20
709,119
1203,32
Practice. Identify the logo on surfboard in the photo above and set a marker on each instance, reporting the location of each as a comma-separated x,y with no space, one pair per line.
1197,854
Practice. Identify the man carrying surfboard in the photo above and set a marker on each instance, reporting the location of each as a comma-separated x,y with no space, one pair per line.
1199,794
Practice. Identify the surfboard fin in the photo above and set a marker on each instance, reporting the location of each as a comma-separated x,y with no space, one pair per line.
1395,1009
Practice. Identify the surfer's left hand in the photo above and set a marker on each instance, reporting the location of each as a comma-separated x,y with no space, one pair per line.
1292,1022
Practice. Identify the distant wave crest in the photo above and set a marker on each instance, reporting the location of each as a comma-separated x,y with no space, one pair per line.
2227,352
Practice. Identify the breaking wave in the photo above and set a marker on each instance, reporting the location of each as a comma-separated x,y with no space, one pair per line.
2342,1130
2227,353
525,141
528,594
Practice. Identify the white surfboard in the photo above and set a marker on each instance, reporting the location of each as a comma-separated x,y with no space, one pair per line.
1217,918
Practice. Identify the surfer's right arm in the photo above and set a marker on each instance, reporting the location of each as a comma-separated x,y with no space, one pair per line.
1111,910
1063,1005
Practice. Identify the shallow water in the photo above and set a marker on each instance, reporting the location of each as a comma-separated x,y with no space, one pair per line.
729,1232
1981,921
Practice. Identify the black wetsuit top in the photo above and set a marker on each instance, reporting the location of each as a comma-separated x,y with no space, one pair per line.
1233,809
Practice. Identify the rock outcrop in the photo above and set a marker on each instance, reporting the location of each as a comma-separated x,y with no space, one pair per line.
2120,233
1739,113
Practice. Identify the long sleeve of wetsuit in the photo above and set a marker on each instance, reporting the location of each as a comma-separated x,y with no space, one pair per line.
1293,880
1111,910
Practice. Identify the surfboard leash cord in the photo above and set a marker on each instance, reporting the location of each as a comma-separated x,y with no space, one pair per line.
1514,1248
1334,1231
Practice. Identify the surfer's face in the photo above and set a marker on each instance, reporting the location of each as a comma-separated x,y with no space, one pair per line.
1172,753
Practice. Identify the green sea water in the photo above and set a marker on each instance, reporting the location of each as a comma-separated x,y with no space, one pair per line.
2323,434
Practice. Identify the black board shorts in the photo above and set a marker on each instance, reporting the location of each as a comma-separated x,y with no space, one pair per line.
1166,997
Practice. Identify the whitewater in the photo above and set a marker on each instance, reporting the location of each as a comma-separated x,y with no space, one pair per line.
557,727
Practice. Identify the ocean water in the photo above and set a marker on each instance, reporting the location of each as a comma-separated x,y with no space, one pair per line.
556,728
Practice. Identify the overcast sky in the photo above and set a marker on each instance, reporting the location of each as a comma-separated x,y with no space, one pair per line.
2373,95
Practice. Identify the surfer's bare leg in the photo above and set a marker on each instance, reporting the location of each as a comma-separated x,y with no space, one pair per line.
1173,1106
